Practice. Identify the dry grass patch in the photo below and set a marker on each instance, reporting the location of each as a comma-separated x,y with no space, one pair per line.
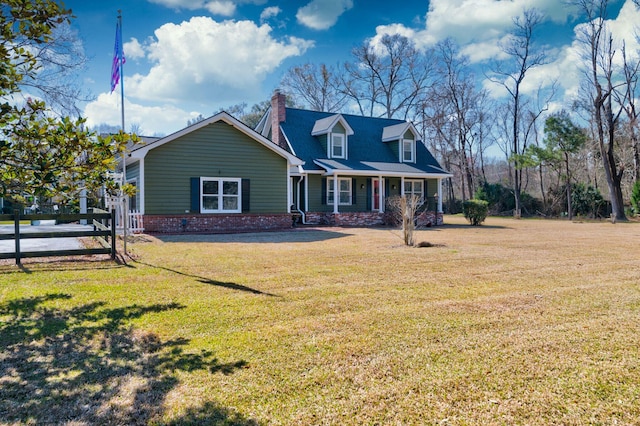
513,322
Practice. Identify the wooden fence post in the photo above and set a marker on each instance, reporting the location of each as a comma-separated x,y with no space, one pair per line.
113,234
16,233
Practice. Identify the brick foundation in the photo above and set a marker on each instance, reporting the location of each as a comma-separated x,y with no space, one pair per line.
216,223
345,219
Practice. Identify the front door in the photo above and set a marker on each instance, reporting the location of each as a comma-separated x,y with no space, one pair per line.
375,196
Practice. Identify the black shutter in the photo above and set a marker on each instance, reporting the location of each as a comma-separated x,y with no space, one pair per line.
386,188
246,195
353,191
369,191
323,193
195,195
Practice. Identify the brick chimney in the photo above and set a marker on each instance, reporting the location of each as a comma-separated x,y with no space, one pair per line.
278,115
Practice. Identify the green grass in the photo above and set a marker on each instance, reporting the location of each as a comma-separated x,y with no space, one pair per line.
512,322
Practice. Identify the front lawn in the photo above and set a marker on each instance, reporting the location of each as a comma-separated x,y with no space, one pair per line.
512,322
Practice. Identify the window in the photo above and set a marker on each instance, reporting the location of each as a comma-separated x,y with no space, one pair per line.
344,191
133,201
414,187
408,150
220,195
338,145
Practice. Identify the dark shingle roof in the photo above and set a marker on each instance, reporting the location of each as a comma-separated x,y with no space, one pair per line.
366,151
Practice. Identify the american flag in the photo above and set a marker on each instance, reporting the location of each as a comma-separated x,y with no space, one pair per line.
118,59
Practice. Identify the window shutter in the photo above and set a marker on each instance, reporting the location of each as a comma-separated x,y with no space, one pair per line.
323,192
246,195
353,191
386,188
195,195
369,191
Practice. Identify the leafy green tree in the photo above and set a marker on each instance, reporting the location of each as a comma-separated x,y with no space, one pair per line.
562,139
41,155
635,198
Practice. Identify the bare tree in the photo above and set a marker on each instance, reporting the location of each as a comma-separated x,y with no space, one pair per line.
511,74
405,210
463,106
599,56
627,98
60,60
317,86
387,79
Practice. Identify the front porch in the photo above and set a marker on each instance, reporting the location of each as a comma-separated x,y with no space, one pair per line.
348,200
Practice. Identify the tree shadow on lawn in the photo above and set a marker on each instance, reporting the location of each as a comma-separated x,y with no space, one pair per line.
446,226
86,365
294,235
203,280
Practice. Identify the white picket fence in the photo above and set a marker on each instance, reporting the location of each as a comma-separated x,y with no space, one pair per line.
135,223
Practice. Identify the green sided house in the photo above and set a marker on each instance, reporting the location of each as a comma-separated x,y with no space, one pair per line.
217,175
353,164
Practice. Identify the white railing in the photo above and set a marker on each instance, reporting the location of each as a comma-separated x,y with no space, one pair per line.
135,223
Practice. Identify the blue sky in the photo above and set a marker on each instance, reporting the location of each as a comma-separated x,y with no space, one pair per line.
191,57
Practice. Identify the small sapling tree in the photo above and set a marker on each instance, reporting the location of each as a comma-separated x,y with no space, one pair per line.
405,210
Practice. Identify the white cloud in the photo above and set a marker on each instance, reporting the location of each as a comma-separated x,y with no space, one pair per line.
322,14
223,8
153,120
216,7
476,25
468,20
269,13
133,49
567,63
205,61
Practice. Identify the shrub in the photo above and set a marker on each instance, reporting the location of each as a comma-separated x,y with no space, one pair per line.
587,201
475,211
635,198
501,200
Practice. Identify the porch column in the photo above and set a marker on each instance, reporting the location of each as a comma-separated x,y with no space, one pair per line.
336,193
439,195
289,188
402,186
381,194
141,187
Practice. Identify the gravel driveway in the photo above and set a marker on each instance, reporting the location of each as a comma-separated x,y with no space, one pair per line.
42,244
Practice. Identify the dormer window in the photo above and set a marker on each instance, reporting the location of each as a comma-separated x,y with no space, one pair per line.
338,145
333,132
402,139
408,151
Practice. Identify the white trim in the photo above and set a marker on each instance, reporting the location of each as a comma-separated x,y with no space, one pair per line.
335,199
141,207
413,182
439,196
326,125
397,131
136,197
343,144
336,191
413,150
289,188
220,195
228,119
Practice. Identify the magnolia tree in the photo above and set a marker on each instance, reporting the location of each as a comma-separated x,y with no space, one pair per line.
41,154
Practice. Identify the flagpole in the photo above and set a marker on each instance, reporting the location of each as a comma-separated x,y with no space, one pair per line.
125,207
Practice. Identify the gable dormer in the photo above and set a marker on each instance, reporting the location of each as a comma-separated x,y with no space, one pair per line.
402,138
333,132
